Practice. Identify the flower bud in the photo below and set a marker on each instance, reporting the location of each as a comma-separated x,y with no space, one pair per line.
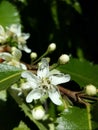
91,90
64,58
51,47
33,55
38,113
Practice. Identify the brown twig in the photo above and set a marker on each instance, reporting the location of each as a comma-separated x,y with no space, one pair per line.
68,93
77,96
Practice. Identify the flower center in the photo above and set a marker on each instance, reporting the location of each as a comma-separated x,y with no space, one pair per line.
45,83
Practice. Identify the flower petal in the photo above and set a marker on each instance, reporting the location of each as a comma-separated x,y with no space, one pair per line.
2,31
24,48
59,79
54,72
6,56
55,97
23,66
43,69
15,29
30,76
34,94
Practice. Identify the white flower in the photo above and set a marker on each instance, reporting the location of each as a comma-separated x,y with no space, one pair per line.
14,31
44,84
13,59
3,36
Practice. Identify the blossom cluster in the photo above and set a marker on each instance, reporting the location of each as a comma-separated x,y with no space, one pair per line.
35,87
13,35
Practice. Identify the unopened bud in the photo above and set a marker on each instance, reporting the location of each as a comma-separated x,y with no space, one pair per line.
91,90
38,113
51,47
64,58
33,55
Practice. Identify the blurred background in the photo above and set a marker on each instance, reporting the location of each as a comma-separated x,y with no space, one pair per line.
71,24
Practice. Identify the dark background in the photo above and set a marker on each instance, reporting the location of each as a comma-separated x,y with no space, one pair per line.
75,30
70,30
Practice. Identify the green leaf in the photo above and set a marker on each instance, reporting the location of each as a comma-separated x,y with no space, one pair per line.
22,126
94,113
8,14
83,72
3,95
74,118
8,75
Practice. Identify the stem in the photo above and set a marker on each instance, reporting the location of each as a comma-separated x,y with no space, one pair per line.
69,93
40,57
89,116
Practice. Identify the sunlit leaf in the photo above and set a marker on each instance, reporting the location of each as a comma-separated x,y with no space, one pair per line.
3,95
8,14
83,72
74,119
8,75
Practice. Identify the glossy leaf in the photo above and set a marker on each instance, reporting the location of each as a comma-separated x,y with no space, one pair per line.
74,119
83,72
8,75
8,14
94,113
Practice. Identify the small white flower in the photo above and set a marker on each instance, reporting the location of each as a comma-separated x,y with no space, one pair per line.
44,84
14,31
13,59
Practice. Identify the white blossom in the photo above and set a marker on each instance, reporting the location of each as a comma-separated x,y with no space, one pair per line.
44,84
14,31
13,58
